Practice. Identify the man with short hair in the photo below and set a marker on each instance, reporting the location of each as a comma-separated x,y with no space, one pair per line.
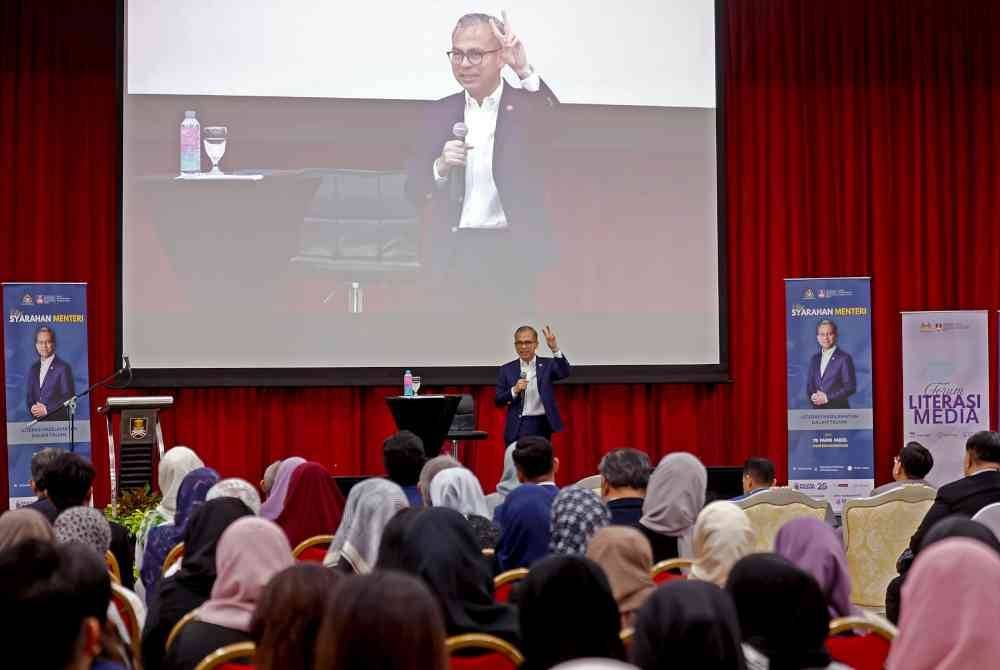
758,475
403,455
909,467
525,386
624,477
831,379
40,461
525,515
535,462
49,380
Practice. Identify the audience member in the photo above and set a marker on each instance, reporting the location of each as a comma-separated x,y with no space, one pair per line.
459,489
18,525
689,624
577,513
525,515
192,585
722,536
403,456
267,482
624,477
508,479
951,607
567,611
429,472
371,504
275,502
783,615
390,549
627,559
909,467
41,460
674,497
439,547
594,664
234,487
173,467
382,621
191,494
251,551
813,546
758,475
313,506
286,621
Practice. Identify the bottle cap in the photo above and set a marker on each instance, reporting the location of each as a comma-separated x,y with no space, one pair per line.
189,114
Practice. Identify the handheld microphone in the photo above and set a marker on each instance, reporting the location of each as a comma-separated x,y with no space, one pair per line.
460,131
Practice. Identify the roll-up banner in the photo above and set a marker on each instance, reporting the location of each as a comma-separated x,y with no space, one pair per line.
946,388
45,353
830,419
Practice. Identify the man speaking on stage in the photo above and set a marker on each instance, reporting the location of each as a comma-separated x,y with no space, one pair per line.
525,386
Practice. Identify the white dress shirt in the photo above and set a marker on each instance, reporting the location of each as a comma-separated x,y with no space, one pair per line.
481,207
532,399
824,359
43,369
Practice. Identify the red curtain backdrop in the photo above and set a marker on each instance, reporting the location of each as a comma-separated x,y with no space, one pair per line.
861,140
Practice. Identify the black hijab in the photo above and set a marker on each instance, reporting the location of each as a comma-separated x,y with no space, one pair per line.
567,611
438,545
390,547
688,624
960,526
782,611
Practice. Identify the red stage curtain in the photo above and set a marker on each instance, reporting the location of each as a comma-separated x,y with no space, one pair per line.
861,140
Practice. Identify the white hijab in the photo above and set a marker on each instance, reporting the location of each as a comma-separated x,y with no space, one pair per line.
234,487
174,466
458,489
722,536
371,504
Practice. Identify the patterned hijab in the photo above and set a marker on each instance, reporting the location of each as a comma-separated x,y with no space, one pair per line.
271,509
234,487
458,489
674,497
813,546
19,525
722,536
86,525
371,504
577,513
174,466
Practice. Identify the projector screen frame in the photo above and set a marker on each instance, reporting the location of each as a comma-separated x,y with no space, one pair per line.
436,376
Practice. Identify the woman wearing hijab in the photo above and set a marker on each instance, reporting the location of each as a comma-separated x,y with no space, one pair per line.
271,508
251,551
234,487
688,624
577,513
192,584
567,611
674,497
813,546
458,489
627,559
429,472
371,504
174,466
439,547
313,505
190,495
952,602
18,525
782,613
722,536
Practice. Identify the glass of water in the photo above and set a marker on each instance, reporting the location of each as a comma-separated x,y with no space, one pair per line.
416,384
214,138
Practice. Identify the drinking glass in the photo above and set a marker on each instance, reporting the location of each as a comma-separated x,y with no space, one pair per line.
416,384
215,144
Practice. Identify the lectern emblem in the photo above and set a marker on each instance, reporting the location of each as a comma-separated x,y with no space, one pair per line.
137,428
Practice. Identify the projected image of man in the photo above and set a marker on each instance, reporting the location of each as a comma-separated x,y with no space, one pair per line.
831,380
486,191
49,381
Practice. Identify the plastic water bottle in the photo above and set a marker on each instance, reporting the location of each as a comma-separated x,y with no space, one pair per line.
407,383
356,298
190,144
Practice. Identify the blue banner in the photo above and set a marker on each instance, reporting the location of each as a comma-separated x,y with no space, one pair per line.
830,419
45,352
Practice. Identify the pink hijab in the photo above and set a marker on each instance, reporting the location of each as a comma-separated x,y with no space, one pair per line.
275,503
250,552
950,604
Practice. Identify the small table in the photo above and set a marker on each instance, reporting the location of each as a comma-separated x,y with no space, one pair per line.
428,416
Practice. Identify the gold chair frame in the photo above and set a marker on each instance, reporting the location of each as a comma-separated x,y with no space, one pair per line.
176,630
880,627
174,555
311,542
228,653
113,569
509,576
483,641
671,564
119,597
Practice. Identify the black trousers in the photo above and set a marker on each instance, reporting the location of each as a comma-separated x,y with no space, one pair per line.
534,425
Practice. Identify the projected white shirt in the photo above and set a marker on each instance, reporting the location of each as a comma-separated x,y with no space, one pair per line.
43,369
824,359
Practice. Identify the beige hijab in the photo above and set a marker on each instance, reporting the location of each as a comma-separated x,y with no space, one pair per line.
674,497
23,524
722,536
627,559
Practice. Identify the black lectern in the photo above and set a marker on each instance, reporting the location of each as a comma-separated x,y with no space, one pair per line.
429,416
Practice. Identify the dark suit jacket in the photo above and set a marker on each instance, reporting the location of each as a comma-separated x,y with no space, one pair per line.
838,382
523,132
965,496
548,371
58,386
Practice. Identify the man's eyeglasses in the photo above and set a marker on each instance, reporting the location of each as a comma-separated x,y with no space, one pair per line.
474,56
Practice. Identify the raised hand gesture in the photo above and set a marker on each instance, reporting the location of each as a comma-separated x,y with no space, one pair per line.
513,53
550,339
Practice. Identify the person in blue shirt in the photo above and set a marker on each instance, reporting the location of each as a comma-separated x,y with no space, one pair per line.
403,455
525,515
758,475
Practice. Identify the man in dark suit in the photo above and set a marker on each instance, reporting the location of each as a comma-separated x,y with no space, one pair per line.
50,379
831,380
487,232
525,386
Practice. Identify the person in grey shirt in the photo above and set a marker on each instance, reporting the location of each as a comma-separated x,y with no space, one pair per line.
909,467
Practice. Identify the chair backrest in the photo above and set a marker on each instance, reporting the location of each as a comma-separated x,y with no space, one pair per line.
772,508
465,414
663,571
627,635
129,616
876,531
593,482
176,630
504,582
867,648
307,550
476,651
224,656
989,516
174,555
113,569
